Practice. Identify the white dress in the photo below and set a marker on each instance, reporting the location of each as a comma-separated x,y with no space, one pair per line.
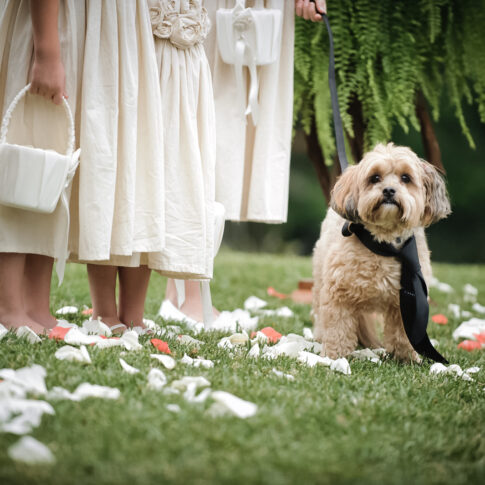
179,28
117,202
252,169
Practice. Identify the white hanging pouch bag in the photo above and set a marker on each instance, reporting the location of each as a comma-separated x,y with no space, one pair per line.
35,179
249,37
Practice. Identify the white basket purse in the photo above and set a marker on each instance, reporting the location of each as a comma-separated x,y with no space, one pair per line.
35,179
249,37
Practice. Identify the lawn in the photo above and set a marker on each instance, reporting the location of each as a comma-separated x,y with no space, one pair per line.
387,424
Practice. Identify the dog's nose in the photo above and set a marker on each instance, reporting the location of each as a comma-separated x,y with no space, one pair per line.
389,192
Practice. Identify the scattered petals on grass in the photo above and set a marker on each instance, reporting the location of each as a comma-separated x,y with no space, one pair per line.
188,340
174,408
58,332
67,310
21,416
28,334
311,360
440,319
228,404
272,292
476,307
166,360
26,379
366,354
156,379
253,304
469,329
272,334
30,451
198,362
86,390
470,293
128,368
3,331
87,312
308,333
255,352
453,369
282,374
470,345
442,287
96,327
186,381
454,309
284,312
160,345
73,354
234,321
480,337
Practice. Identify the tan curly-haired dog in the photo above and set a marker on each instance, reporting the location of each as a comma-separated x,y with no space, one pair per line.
394,195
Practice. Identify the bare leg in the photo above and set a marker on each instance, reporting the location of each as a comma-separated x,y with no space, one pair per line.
12,312
37,288
192,306
133,291
102,286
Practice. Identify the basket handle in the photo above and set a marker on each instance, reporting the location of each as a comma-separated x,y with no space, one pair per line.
13,105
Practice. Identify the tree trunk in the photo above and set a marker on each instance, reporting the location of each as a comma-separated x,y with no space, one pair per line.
326,175
430,142
357,141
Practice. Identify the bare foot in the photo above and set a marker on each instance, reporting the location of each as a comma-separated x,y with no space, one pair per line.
16,320
47,321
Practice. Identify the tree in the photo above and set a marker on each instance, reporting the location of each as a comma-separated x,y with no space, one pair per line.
395,60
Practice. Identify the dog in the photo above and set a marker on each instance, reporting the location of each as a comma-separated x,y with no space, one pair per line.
394,194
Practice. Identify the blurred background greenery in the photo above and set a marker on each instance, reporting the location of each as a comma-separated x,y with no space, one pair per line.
458,239
402,68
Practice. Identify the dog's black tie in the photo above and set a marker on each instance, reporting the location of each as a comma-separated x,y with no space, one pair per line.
413,299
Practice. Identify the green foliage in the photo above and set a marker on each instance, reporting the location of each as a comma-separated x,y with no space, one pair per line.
385,52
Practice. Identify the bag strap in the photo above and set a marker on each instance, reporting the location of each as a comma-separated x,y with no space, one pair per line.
8,116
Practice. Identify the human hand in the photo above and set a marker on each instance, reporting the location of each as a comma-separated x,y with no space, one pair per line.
309,10
48,78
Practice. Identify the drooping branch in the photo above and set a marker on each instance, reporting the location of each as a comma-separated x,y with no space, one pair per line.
428,135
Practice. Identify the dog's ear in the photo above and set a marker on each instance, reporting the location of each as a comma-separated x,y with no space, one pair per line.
345,195
437,203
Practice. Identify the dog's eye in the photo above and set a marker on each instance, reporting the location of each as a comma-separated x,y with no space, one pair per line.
405,178
374,179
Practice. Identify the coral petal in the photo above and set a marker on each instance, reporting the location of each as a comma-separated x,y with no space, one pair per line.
469,345
58,333
440,319
272,292
160,345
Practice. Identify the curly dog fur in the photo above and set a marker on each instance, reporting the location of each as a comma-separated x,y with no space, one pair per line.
394,194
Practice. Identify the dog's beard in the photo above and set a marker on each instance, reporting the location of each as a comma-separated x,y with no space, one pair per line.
398,212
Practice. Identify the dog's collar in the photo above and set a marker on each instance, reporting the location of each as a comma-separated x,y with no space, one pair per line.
350,228
413,295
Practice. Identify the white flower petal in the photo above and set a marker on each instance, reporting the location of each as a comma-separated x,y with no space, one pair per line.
128,368
30,451
156,379
253,304
73,354
226,403
67,310
166,360
28,334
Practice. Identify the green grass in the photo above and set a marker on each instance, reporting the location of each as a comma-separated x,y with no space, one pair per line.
387,424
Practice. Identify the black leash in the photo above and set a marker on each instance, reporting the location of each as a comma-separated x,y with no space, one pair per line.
337,120
413,296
